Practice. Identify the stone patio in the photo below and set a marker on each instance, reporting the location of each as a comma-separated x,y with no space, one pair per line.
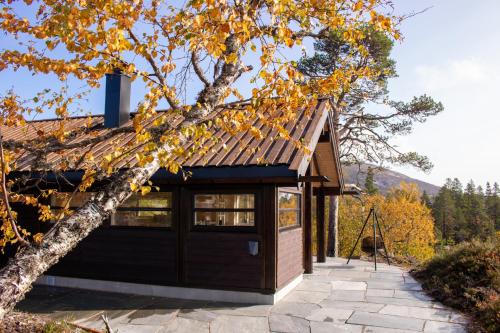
335,298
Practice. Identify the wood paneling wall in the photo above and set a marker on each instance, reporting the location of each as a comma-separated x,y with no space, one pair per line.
123,254
221,259
290,255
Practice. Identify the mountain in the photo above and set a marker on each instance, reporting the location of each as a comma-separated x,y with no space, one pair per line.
384,178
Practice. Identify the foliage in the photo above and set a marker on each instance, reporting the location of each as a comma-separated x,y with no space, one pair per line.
160,45
464,215
59,327
467,277
406,223
370,186
365,130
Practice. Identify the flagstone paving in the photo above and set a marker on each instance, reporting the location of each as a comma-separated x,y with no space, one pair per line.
336,298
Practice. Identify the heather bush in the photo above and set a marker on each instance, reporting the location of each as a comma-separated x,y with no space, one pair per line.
467,277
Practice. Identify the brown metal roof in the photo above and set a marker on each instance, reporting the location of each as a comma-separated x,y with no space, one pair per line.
227,150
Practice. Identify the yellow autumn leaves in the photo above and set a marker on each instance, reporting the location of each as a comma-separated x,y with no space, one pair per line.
407,224
150,42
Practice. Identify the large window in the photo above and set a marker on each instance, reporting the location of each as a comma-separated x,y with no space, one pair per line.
288,209
70,200
219,210
151,210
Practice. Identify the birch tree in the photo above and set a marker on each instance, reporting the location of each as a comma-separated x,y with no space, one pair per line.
169,50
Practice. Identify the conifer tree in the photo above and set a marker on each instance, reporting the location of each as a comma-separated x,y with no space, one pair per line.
444,213
370,186
478,224
426,199
493,204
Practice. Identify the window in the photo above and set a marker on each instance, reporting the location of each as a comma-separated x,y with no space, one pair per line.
288,209
151,210
235,210
60,199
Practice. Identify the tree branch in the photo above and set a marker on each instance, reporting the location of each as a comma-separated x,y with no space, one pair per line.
198,70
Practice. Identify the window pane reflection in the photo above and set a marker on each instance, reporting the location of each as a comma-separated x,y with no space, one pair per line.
226,201
289,209
150,200
143,218
214,218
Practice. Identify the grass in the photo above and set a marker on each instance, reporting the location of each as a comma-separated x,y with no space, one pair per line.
467,277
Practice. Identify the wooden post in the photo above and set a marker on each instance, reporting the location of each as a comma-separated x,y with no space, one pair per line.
320,225
308,262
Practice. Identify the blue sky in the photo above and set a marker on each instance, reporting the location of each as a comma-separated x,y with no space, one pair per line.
451,52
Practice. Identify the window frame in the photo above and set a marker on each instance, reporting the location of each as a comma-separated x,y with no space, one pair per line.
108,222
216,228
150,209
299,209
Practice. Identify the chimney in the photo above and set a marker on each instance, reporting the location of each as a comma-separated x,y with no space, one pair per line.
117,104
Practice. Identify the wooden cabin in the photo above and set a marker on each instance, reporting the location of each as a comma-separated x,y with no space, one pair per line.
236,230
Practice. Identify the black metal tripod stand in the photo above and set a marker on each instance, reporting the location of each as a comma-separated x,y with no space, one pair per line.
376,226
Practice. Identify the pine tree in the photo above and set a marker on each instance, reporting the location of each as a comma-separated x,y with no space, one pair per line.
478,223
426,199
370,186
493,204
457,191
444,211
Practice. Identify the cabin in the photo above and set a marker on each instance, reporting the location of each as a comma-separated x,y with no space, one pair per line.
235,230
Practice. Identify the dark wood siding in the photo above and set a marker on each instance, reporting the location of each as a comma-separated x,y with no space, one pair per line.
289,255
220,259
123,254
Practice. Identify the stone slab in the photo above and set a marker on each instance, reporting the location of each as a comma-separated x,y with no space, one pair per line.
417,312
128,328
380,292
331,315
185,325
239,310
348,285
416,295
295,309
306,296
361,306
378,284
313,285
240,324
375,329
288,324
398,301
324,327
383,320
436,326
347,295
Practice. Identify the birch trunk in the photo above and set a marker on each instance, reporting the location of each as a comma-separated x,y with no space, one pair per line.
32,261
333,230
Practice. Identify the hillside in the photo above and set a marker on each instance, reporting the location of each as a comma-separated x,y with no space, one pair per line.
384,178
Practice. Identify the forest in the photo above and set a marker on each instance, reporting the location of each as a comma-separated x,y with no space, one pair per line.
462,214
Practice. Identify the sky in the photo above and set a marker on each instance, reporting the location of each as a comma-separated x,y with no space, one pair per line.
450,52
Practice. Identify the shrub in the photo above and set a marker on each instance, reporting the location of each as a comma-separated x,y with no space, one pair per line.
407,224
467,277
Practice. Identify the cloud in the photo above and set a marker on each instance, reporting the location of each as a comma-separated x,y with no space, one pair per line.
452,74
